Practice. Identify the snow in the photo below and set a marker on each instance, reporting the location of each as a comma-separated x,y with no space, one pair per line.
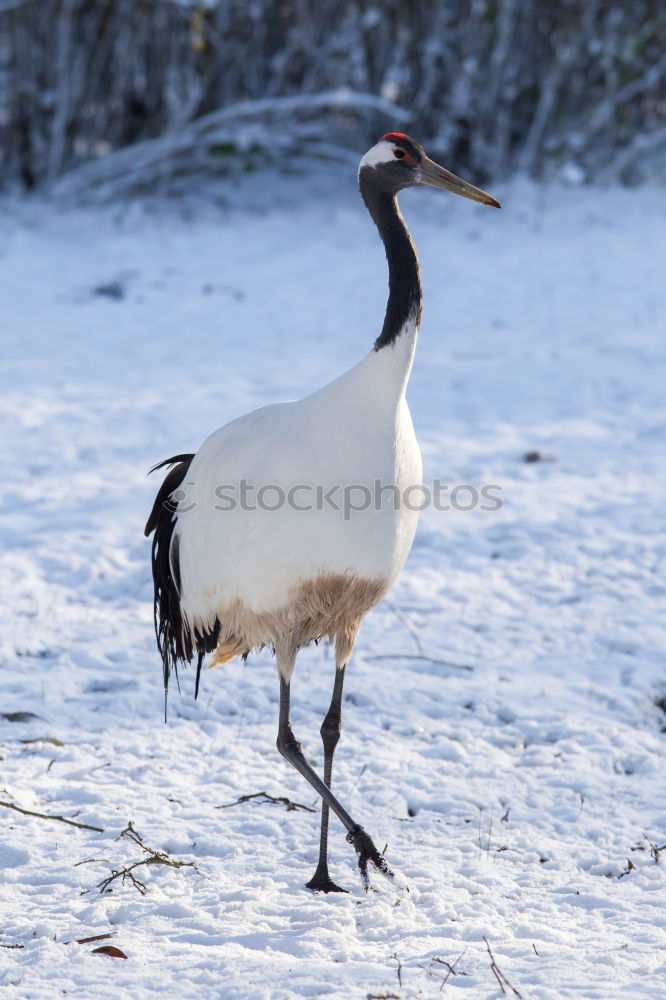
512,795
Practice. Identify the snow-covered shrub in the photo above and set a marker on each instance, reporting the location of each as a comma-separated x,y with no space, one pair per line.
491,85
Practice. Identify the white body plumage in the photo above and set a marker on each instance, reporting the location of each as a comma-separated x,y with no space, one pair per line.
353,441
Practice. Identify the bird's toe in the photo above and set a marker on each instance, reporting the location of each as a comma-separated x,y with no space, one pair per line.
323,885
368,853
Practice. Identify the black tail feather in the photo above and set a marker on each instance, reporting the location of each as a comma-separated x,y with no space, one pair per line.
175,640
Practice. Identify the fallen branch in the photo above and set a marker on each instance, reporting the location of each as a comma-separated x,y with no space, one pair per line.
498,974
279,800
153,858
60,819
252,123
89,940
99,767
125,873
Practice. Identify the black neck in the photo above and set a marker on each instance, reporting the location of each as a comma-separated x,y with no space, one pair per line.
404,282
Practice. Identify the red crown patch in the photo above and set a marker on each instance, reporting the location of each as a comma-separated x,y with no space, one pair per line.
391,136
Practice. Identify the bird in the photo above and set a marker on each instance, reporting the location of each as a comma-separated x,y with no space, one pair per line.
290,523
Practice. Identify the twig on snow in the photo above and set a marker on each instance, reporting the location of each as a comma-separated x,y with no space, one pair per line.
61,819
395,958
125,873
498,974
358,778
99,767
655,850
278,800
89,940
153,858
450,966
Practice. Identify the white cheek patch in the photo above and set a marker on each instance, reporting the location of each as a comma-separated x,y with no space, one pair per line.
381,152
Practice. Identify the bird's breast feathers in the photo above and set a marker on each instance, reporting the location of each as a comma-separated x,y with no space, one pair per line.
294,492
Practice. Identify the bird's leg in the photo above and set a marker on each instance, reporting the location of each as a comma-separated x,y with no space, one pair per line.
291,750
330,734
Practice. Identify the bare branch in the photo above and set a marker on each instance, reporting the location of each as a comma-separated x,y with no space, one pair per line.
641,144
61,819
89,940
63,33
147,161
650,80
280,799
498,974
124,873
153,858
450,967
129,95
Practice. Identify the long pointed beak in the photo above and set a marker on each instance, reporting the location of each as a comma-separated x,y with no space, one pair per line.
436,176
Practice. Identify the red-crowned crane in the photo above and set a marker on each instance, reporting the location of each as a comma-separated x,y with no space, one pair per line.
232,575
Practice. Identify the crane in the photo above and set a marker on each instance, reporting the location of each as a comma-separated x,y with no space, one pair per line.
288,525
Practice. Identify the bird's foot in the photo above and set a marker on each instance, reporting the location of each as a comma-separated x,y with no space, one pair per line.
322,882
367,852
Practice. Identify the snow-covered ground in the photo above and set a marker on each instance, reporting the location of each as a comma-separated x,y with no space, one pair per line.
501,733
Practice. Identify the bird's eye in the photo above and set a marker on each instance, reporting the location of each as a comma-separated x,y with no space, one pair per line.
399,153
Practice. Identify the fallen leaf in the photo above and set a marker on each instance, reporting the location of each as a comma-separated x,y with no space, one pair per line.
109,949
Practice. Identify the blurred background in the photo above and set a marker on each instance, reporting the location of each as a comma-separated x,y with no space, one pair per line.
571,88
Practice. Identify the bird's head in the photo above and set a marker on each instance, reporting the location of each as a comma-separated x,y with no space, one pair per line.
397,162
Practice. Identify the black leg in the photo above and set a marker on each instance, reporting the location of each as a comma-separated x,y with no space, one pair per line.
291,750
330,734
